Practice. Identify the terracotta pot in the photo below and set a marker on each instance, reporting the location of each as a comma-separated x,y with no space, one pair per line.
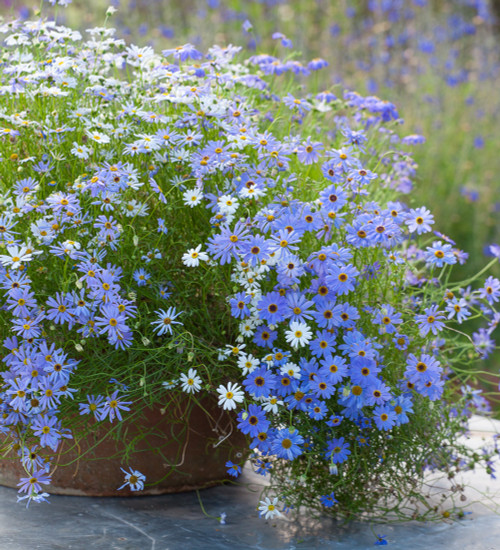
178,448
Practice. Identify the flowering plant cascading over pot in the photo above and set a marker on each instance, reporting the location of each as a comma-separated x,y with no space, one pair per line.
180,223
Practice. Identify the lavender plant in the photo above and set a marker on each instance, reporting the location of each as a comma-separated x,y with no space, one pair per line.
182,224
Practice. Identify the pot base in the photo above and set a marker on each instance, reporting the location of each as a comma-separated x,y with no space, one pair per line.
183,450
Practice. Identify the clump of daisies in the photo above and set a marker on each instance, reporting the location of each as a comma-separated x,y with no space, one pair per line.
172,225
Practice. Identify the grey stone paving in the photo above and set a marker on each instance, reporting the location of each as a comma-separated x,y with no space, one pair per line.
176,522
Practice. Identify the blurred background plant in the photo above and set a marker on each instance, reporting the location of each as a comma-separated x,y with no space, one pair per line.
437,60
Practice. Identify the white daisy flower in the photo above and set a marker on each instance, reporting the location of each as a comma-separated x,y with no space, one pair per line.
247,328
81,151
190,382
16,256
299,334
230,395
192,197
193,256
133,208
235,350
268,508
227,204
169,384
98,137
271,404
291,369
247,363
251,192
